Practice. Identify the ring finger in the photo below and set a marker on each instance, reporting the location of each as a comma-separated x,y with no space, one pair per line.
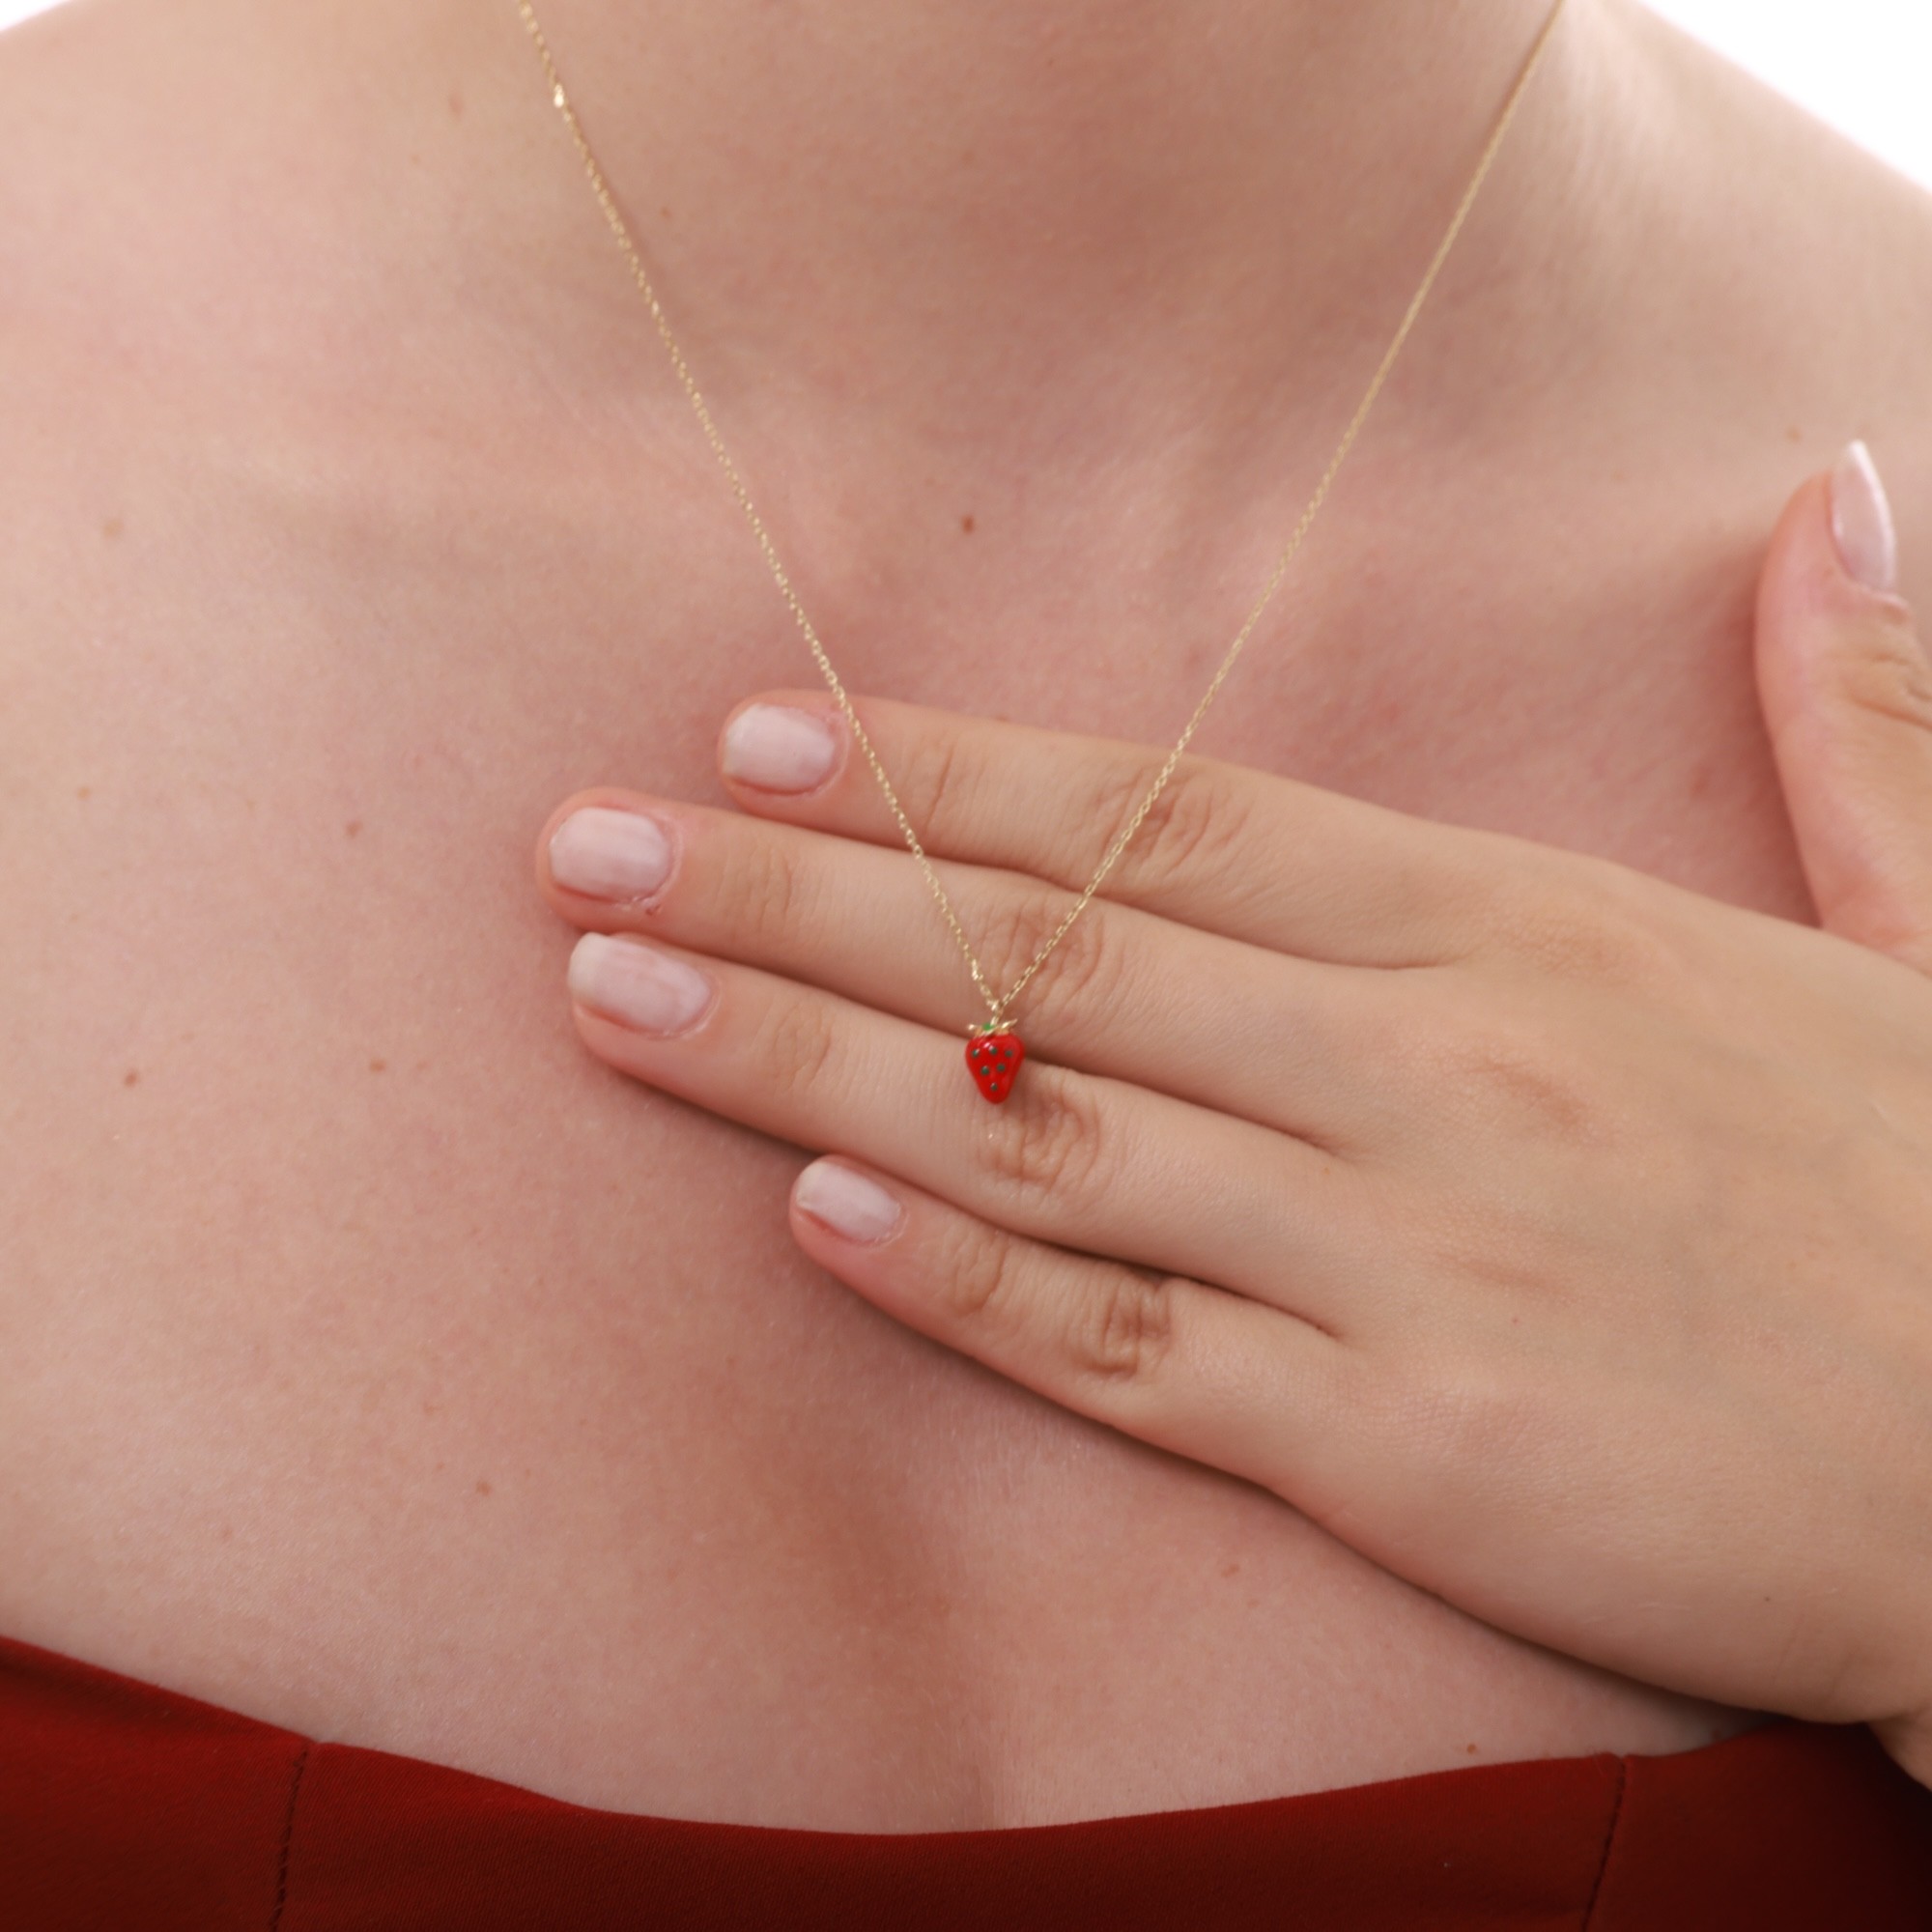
1079,1160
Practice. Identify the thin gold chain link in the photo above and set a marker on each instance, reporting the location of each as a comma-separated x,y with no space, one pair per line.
999,1004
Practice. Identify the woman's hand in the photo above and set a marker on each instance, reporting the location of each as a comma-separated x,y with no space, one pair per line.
1557,1237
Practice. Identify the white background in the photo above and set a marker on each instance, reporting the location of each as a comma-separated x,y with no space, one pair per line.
1866,66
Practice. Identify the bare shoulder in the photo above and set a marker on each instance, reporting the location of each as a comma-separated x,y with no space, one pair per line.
103,130
76,171
1800,265
113,293
197,303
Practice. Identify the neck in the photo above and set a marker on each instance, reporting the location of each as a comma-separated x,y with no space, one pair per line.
949,207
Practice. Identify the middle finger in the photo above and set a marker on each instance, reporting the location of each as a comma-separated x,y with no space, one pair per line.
1283,1042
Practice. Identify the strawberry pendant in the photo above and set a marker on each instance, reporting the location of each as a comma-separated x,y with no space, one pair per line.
993,1059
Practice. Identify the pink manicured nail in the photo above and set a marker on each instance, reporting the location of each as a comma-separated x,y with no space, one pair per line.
610,854
847,1203
1862,523
777,748
638,985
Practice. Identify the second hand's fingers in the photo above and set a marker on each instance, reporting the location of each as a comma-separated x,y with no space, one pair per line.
1087,1163
1228,849
1284,1042
1242,1387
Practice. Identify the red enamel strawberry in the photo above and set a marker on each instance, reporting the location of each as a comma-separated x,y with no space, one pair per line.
993,1059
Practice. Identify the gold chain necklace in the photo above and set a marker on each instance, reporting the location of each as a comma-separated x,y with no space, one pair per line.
993,1050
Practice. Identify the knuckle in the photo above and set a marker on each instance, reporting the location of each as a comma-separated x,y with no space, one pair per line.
934,786
1044,1145
1194,831
1515,1072
1117,1329
1501,1248
794,1046
976,1270
1121,1331
1603,933
1884,672
1086,970
1476,1421
762,891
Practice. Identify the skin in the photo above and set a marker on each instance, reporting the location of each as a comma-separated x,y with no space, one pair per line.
378,1363
1550,1235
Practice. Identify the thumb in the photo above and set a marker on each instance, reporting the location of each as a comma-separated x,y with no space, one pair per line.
1847,697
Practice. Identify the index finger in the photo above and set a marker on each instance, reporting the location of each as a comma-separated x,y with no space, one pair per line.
1225,848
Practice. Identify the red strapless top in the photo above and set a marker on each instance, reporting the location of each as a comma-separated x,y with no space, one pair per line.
127,1807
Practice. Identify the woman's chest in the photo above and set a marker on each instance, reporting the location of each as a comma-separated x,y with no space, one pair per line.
380,1366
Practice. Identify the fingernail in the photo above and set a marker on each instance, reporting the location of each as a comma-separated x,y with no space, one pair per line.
777,749
1862,523
610,854
847,1203
637,985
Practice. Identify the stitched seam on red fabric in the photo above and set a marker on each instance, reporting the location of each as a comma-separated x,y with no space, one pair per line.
1609,1839
288,1841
